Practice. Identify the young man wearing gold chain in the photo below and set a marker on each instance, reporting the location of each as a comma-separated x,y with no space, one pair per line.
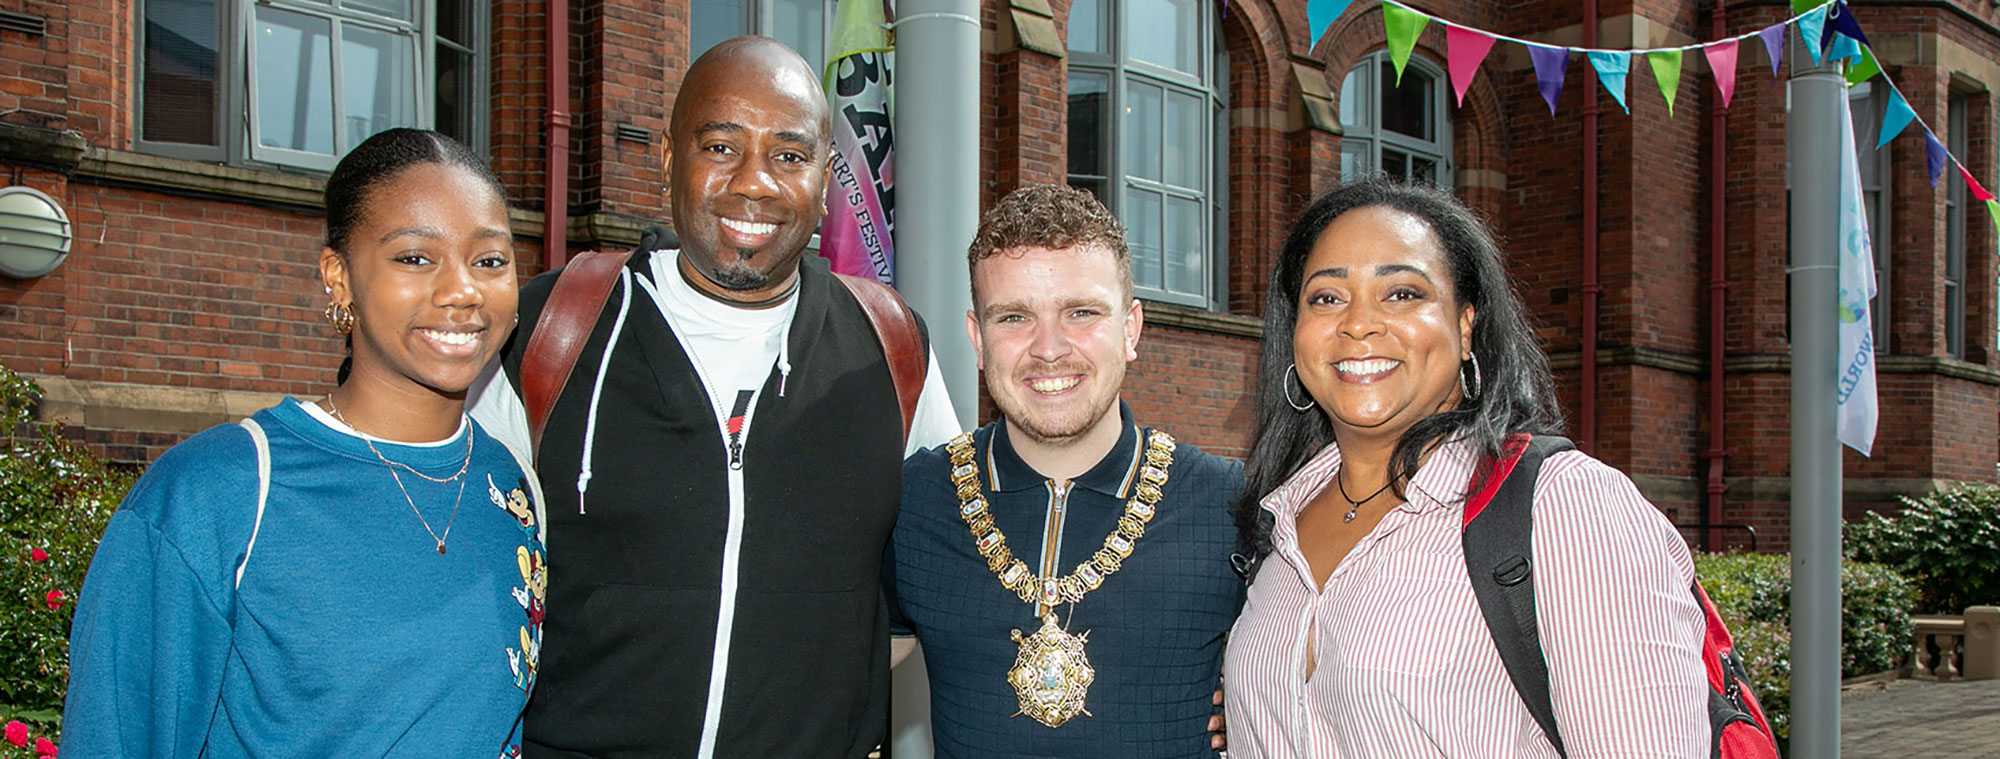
1065,570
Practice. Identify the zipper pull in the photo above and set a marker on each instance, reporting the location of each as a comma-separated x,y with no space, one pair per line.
737,419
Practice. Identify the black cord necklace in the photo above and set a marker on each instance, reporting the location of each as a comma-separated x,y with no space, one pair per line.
1354,504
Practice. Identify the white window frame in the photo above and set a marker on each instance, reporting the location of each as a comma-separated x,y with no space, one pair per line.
236,120
1211,86
1359,88
760,17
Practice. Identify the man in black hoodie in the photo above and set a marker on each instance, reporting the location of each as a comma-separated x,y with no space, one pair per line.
734,441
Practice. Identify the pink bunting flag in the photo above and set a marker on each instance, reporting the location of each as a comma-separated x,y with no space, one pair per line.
1978,192
1722,62
1466,50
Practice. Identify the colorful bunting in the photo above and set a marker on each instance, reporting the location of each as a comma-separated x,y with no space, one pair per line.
1811,26
1895,117
1466,49
1320,13
1550,65
1864,70
1667,73
1774,45
1934,154
1612,66
1993,210
1722,61
1843,48
1801,6
1973,184
1840,20
1403,26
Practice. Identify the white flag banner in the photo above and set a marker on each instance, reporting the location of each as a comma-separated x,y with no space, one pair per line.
1856,387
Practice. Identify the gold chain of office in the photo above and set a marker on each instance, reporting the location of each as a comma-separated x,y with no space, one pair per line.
1051,591
1051,675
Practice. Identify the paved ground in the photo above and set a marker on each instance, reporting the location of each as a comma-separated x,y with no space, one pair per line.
1915,719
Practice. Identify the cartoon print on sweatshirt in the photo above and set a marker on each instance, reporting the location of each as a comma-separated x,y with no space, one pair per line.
525,660
534,587
515,502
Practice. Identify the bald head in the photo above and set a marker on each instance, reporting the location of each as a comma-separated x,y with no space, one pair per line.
760,66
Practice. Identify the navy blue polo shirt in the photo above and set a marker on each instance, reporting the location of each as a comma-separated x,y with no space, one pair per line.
1156,626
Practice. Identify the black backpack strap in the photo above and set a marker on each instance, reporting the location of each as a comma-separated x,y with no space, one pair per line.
1499,545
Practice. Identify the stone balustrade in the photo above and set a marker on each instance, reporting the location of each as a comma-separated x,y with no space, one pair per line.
1957,647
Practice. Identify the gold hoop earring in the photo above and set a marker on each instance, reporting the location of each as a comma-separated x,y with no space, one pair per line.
341,317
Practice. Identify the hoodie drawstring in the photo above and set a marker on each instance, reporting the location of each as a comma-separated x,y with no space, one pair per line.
597,388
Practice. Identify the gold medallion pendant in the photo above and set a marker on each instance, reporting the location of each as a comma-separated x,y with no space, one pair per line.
1051,675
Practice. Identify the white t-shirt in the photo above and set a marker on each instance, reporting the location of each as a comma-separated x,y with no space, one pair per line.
732,348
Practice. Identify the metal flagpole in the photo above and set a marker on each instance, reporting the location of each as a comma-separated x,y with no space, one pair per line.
937,210
1813,134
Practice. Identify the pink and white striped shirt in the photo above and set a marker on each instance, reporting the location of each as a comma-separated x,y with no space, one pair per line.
1406,667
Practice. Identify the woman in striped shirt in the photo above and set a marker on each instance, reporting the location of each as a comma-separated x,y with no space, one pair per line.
1396,359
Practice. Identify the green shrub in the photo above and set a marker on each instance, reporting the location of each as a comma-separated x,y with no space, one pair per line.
55,498
1753,593
1949,542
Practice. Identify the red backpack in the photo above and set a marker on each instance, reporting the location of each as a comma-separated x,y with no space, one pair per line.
1498,538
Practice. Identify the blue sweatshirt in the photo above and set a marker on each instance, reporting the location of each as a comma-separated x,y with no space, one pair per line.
348,635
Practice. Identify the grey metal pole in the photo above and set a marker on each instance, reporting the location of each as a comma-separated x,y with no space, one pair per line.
937,179
937,211
1813,136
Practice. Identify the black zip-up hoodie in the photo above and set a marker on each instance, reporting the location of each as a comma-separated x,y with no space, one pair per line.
638,572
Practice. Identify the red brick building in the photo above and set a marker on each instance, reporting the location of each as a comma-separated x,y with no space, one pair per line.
187,141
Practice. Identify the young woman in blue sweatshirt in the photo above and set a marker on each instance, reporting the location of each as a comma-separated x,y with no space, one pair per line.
356,576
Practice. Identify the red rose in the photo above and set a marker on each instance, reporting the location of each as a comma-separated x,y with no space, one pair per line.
44,749
55,599
38,555
17,733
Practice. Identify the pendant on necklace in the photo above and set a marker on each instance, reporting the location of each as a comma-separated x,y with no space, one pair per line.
440,548
1348,517
1051,675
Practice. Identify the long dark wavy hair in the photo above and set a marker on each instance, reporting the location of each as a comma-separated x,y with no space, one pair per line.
1516,391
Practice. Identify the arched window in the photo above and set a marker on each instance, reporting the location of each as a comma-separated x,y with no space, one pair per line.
1147,130
1403,131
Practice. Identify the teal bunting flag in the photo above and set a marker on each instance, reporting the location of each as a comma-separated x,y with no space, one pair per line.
1612,67
1895,117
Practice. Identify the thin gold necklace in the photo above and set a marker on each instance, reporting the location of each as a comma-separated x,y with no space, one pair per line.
391,466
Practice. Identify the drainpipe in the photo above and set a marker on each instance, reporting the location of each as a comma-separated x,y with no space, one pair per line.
1587,426
1718,287
555,139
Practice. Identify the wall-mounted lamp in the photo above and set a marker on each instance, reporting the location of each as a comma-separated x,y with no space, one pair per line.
34,233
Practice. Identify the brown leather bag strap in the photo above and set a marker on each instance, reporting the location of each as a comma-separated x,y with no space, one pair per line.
564,326
896,328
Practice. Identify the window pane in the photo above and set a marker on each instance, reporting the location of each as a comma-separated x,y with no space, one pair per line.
396,9
1864,110
454,21
378,82
1424,169
1163,32
1184,139
712,21
1407,109
1142,222
180,64
1089,104
294,81
1142,130
1086,27
453,103
1395,163
1354,98
1184,246
802,24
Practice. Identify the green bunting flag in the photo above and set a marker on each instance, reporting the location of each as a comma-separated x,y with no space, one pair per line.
1865,69
1403,26
1993,209
1667,72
